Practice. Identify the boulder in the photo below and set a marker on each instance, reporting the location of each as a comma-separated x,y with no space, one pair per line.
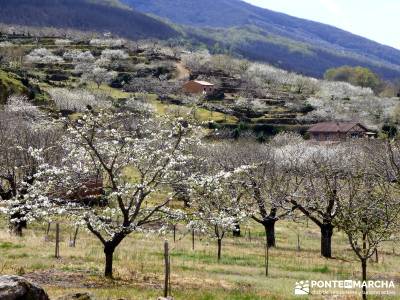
17,288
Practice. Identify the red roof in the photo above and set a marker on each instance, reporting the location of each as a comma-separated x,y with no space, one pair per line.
335,127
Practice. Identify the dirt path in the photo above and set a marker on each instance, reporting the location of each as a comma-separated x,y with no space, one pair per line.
183,72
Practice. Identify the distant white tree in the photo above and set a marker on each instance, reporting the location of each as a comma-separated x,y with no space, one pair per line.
76,100
107,42
6,44
21,106
99,76
341,90
114,54
78,56
62,42
43,56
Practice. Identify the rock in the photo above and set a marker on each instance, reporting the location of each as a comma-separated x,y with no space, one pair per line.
17,288
77,296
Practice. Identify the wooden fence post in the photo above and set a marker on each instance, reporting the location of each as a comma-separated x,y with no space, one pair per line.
167,269
73,240
46,237
298,242
57,249
193,239
266,255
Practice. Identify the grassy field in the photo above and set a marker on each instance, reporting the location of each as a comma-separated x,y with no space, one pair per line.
196,275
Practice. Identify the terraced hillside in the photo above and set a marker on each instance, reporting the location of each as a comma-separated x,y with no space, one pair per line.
250,97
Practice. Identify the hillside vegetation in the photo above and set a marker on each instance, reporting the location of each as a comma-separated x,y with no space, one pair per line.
250,32
291,43
251,97
106,143
10,85
85,16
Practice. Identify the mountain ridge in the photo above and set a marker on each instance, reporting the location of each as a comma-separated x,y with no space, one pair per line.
98,16
294,44
318,36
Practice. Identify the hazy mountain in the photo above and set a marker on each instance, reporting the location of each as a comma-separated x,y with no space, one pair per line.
289,42
223,25
90,15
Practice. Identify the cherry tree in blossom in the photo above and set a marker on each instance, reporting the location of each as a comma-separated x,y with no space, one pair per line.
368,212
218,204
24,129
103,147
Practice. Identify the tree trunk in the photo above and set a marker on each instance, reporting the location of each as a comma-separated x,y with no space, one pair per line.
364,278
16,229
219,249
326,240
17,225
236,230
109,252
269,226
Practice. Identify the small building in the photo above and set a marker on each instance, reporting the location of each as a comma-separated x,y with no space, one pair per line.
198,87
338,131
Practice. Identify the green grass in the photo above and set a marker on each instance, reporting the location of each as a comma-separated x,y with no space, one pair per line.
200,114
112,92
8,245
197,274
9,85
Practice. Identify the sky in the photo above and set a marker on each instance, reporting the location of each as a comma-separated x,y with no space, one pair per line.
378,20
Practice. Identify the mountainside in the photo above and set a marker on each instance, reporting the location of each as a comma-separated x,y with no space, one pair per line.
92,15
292,43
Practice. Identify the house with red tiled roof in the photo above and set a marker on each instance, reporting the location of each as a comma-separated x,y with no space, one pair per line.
198,87
338,131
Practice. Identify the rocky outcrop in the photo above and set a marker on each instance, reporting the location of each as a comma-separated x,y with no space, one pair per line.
17,288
